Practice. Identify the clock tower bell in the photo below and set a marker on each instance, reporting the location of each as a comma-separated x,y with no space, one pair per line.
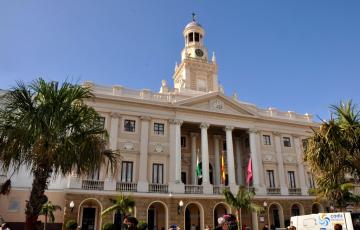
195,72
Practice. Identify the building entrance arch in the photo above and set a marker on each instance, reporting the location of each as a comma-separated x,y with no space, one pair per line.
219,210
194,216
276,215
157,216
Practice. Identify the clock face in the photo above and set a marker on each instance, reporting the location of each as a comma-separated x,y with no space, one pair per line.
199,52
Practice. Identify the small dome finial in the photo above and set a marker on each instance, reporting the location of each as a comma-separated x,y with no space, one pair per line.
213,59
193,17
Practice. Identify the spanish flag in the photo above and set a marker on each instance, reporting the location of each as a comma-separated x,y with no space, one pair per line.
223,177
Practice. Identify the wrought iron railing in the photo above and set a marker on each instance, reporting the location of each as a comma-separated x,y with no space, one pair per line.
294,191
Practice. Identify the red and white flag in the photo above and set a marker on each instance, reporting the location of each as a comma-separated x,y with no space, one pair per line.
249,172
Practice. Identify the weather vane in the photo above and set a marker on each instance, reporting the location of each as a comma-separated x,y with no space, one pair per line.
193,16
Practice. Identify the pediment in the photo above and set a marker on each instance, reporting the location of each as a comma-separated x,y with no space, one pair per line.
216,102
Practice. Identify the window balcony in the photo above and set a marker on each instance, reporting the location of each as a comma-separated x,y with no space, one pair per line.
92,185
158,188
126,187
218,190
294,191
193,189
273,191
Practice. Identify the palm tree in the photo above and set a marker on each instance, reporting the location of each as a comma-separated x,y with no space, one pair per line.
333,154
123,205
241,201
48,210
48,128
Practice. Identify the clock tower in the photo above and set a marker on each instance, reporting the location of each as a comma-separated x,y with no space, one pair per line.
195,72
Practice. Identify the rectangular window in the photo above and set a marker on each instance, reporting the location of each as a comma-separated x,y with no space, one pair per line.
94,175
129,126
126,171
311,180
196,37
266,140
271,178
183,142
158,174
159,128
191,37
287,142
291,178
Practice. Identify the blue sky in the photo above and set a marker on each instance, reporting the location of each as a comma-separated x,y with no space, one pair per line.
291,55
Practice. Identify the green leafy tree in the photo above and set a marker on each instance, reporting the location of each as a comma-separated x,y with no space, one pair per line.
48,128
123,205
48,210
241,201
333,154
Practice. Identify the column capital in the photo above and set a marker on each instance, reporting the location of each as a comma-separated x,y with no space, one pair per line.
217,136
228,128
275,133
175,122
115,115
194,134
204,125
145,118
256,131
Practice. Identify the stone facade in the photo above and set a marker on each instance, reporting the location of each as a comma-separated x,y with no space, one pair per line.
163,137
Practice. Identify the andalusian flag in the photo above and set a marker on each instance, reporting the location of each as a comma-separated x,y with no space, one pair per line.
223,177
198,167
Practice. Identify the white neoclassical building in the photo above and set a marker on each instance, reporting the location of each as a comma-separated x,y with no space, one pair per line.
164,136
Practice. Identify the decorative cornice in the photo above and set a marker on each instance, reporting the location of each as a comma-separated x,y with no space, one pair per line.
204,125
277,134
253,131
175,122
228,128
115,115
145,118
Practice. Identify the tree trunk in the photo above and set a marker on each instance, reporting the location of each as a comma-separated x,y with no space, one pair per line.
37,197
45,222
239,219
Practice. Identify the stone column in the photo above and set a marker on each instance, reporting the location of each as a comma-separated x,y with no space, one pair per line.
207,187
280,162
300,163
175,184
109,182
230,159
256,162
217,176
239,160
193,158
143,183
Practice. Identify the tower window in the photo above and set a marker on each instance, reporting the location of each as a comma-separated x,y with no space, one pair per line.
191,37
197,37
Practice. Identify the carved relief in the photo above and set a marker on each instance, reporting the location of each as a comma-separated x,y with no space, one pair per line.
129,146
159,148
269,158
217,105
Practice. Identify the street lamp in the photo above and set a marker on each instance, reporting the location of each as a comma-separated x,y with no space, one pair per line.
265,204
71,206
180,206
